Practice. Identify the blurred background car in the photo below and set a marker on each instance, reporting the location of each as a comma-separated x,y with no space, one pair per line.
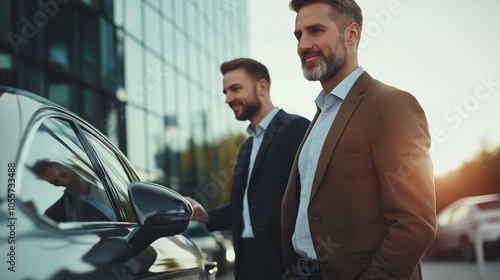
216,245
461,221
75,208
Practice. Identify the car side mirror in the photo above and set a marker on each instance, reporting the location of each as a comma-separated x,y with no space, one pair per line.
160,212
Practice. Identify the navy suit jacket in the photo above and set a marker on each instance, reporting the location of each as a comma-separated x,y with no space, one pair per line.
89,213
265,192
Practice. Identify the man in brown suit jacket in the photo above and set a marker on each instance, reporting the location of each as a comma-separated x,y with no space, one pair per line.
360,201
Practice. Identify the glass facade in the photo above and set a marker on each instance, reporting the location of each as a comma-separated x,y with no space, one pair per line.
144,72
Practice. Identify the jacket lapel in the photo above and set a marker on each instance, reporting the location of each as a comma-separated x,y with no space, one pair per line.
349,105
294,179
274,127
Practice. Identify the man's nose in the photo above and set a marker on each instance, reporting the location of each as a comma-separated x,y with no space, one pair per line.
229,98
304,43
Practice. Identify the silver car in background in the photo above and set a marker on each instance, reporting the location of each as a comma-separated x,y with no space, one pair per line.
461,221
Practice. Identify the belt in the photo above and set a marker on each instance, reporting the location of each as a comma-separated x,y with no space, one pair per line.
308,267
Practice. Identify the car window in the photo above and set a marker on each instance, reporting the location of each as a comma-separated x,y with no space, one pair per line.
116,173
490,205
59,180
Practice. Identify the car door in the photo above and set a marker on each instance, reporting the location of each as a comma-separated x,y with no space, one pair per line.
445,229
76,210
457,227
178,254
62,223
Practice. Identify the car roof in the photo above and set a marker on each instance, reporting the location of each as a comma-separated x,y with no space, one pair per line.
22,103
17,109
471,200
27,94
23,97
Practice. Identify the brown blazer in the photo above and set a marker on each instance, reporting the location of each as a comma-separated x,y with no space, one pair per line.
372,209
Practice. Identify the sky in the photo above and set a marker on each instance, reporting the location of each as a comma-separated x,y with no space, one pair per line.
445,53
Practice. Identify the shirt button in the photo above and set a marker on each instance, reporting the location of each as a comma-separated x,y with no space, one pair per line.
325,114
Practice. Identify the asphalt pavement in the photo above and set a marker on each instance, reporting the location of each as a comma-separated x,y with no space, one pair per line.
459,270
443,270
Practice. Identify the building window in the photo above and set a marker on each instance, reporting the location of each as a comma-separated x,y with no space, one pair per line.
108,56
153,29
65,95
89,37
133,16
134,82
136,138
60,42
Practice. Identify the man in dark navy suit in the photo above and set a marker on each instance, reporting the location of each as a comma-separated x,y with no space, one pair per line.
254,212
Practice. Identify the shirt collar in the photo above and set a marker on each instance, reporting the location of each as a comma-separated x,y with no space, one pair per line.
341,90
264,123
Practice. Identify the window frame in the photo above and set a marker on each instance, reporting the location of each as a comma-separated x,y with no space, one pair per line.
130,172
78,124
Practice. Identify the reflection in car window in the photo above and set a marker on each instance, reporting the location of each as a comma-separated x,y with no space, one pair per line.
59,180
116,173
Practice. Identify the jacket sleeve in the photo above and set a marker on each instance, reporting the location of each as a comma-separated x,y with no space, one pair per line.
220,218
401,143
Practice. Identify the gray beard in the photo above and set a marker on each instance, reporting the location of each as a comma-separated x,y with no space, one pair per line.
319,73
328,67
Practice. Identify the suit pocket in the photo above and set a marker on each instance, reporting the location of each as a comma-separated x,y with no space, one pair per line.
350,147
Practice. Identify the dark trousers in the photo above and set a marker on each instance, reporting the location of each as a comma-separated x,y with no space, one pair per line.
249,265
312,277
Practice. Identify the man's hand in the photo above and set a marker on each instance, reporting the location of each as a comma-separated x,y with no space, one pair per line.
199,213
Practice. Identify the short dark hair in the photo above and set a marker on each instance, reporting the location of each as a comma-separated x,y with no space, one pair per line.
345,11
43,165
255,69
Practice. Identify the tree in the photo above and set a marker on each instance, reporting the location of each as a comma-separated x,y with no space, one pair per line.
477,177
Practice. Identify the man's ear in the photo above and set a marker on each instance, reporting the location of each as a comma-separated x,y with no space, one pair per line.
262,87
352,34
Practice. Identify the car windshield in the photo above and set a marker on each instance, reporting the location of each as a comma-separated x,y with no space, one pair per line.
490,205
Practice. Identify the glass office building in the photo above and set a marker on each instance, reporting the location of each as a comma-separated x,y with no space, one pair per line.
146,73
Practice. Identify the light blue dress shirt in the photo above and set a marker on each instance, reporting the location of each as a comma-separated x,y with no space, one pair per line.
329,106
258,136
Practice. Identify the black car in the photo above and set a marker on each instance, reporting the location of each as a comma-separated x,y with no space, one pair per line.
215,245
72,206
